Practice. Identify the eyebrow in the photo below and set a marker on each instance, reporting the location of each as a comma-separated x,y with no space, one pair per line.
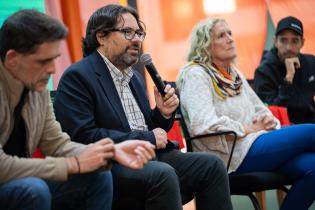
48,59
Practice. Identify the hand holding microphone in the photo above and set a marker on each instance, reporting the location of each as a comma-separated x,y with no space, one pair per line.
169,101
146,60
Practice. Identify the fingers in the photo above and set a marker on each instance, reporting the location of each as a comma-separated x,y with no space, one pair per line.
161,145
291,65
160,138
168,87
108,147
142,155
295,62
270,122
261,117
145,152
104,141
171,101
271,125
169,93
108,155
150,149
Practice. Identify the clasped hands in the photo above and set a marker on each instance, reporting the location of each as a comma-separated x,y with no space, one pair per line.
262,122
131,153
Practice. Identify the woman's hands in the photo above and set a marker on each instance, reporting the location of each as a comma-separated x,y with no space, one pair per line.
263,122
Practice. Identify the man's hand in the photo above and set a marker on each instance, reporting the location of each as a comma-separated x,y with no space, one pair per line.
291,65
93,157
160,138
167,104
134,153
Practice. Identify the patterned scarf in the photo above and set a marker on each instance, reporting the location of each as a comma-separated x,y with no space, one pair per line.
226,84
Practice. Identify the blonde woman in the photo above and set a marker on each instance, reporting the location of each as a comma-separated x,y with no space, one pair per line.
216,97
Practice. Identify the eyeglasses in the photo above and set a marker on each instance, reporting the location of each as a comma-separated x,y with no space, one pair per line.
129,33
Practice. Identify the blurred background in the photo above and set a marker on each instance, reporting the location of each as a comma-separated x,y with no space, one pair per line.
169,23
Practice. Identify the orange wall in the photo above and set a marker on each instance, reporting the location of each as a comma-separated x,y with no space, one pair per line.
302,9
170,22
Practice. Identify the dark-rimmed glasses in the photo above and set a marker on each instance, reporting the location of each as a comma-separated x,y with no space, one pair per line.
130,33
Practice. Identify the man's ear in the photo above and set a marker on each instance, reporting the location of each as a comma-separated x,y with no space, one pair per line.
274,40
100,38
11,59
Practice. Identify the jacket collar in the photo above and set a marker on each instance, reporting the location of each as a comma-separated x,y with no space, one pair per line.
13,87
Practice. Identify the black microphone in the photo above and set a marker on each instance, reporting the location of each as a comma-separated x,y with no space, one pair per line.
146,60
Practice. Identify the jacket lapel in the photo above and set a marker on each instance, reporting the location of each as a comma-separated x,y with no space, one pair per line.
107,83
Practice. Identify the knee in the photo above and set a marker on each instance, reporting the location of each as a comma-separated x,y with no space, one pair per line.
105,180
212,162
36,191
164,173
101,182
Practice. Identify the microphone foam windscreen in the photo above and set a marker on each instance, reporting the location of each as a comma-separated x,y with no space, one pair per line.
145,59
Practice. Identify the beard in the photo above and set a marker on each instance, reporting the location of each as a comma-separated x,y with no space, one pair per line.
125,59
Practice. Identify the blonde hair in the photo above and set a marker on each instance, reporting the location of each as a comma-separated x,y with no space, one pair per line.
200,41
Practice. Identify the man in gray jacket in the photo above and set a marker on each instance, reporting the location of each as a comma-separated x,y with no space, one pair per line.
29,44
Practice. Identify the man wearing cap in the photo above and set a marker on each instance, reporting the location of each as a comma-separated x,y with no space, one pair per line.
286,77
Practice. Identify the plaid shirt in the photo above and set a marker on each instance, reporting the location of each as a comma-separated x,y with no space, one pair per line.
121,80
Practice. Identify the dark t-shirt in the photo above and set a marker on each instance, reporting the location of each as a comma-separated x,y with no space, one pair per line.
16,145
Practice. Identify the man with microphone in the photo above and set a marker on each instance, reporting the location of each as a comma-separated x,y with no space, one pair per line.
73,175
101,96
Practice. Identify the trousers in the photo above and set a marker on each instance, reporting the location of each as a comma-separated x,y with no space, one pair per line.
87,191
290,151
173,180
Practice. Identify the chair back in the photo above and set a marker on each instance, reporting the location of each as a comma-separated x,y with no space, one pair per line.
189,139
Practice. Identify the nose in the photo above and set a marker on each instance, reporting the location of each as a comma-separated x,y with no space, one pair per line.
136,38
51,68
289,46
230,38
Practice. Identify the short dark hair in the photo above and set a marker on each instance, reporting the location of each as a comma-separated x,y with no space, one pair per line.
26,29
104,20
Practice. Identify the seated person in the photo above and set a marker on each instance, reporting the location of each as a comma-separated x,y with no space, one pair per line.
286,77
29,44
215,96
102,96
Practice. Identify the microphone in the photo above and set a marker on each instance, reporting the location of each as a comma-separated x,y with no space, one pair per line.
146,60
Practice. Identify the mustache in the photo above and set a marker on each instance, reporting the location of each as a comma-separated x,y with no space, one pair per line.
289,53
134,47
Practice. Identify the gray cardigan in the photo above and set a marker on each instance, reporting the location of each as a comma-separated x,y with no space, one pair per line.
204,111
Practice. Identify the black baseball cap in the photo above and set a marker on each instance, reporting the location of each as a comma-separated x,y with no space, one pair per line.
291,23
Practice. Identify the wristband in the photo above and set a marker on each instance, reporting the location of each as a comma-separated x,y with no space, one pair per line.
78,163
